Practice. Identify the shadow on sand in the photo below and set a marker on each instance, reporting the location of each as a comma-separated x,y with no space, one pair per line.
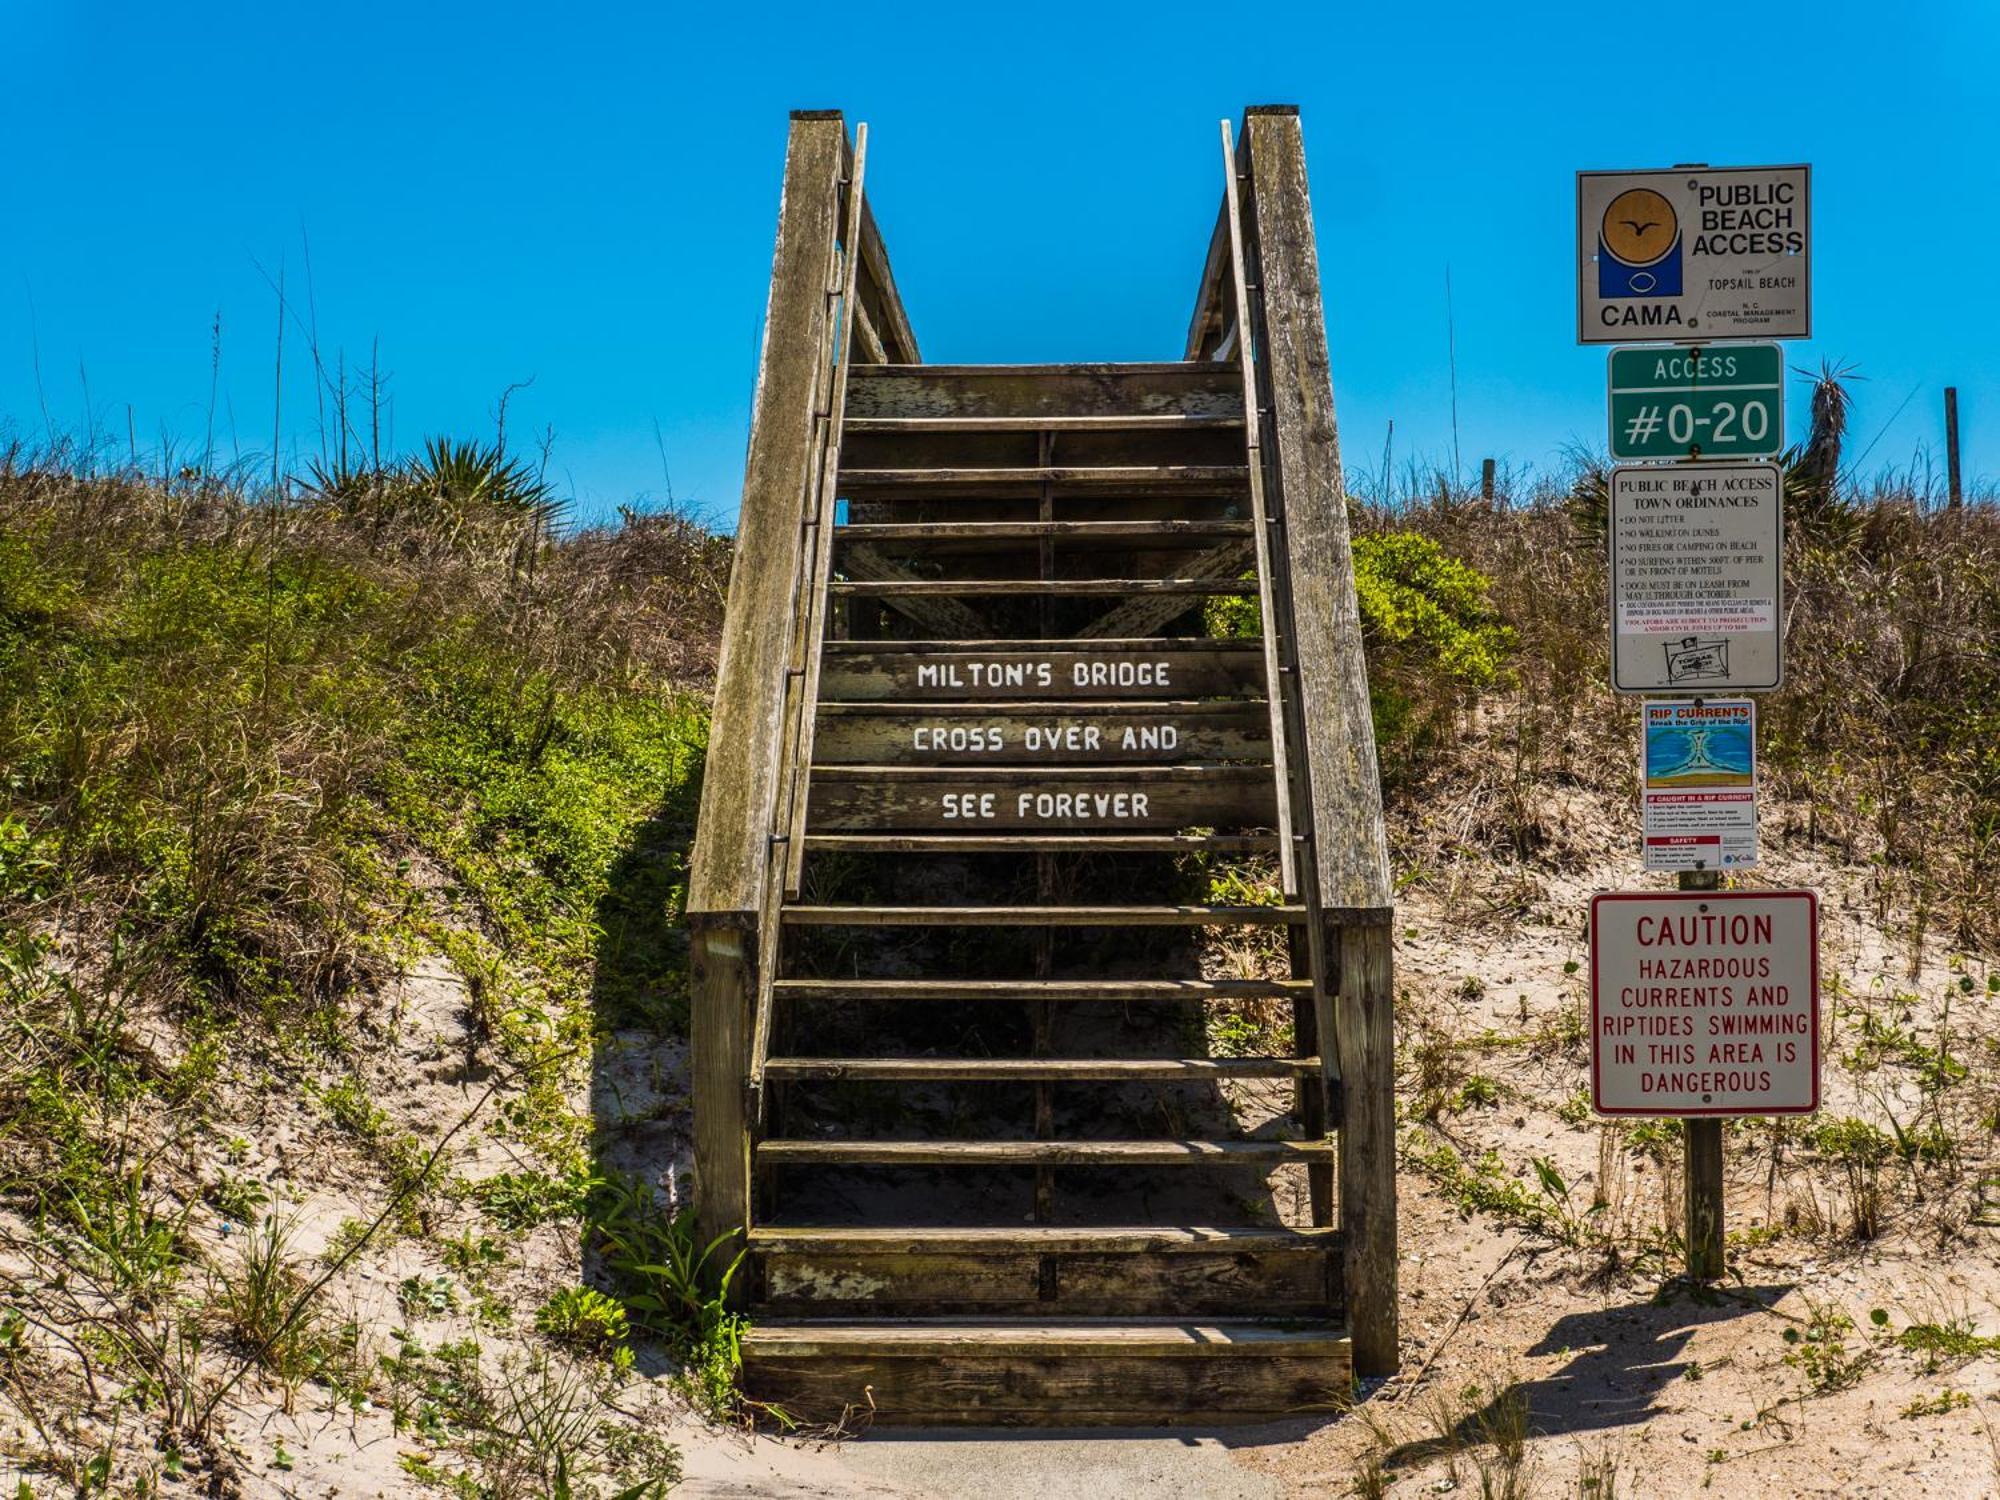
642,1125
1622,1358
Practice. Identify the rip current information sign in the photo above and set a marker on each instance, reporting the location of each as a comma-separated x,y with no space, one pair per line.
1697,579
1704,1002
1698,783
1694,253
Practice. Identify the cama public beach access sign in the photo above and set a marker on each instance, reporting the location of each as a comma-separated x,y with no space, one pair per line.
1693,254
1704,1003
1697,579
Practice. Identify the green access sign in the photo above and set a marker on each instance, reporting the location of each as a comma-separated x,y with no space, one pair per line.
1716,401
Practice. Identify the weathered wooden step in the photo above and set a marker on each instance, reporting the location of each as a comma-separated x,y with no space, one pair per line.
1043,1271
1153,421
1010,588
1047,1239
1042,843
1041,916
1193,388
960,671
1078,1372
1152,532
953,991
1129,479
1041,1069
1056,796
1029,732
877,1153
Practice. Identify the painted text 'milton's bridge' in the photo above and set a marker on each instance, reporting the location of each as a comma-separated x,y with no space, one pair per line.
1032,1110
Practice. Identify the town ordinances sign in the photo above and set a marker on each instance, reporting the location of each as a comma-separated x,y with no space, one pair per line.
1693,254
1697,553
1704,1003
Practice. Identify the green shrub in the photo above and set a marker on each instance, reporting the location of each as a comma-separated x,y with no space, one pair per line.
583,1319
1431,634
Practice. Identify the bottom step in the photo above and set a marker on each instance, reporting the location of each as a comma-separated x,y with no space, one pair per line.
1077,1373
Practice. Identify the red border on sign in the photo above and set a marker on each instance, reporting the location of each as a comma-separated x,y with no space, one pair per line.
1811,899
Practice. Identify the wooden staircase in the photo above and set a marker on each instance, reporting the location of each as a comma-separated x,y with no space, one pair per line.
981,746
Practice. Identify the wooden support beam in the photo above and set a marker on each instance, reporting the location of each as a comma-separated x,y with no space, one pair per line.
946,617
724,975
1150,612
872,350
1364,1040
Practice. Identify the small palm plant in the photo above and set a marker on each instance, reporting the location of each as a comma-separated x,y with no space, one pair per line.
467,474
1812,470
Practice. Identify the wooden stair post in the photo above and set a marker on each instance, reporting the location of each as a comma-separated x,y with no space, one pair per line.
730,878
1351,847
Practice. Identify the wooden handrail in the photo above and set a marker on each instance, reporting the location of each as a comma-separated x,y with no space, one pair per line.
1351,936
730,870
1274,624
1344,862
1343,779
813,612
830,285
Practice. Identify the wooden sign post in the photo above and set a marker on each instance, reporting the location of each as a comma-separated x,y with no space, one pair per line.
1704,1003
1699,1009
1701,1166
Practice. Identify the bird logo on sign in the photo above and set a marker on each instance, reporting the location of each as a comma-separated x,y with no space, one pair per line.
1639,246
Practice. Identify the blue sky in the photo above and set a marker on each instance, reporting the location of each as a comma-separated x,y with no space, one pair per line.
585,196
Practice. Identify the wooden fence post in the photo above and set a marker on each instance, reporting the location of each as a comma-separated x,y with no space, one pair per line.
1701,1171
1956,495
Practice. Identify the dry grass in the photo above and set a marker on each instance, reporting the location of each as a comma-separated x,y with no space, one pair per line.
1884,737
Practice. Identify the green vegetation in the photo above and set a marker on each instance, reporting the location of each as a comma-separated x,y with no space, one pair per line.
675,1287
1484,1186
586,1320
1820,1353
1433,637
257,758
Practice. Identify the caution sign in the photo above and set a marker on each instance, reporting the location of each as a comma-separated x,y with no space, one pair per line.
1704,1003
1697,578
1693,254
